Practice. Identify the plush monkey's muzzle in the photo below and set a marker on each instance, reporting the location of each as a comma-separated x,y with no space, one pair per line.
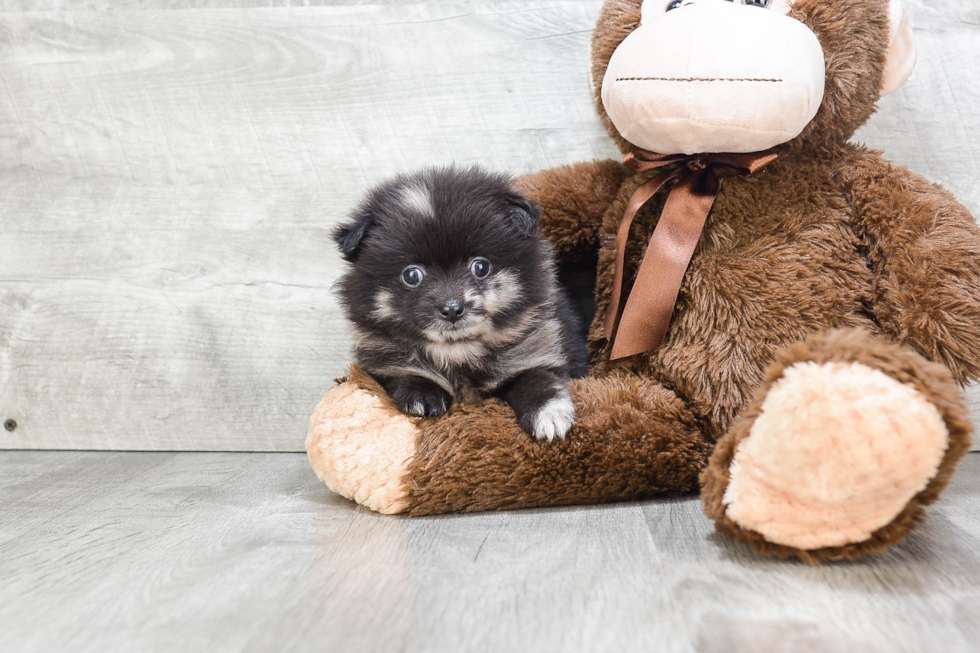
713,76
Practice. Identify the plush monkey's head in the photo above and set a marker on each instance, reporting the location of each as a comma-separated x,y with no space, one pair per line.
694,76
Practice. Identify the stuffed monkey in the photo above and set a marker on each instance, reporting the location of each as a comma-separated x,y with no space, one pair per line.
783,317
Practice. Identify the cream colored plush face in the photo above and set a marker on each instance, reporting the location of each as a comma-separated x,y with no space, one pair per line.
714,76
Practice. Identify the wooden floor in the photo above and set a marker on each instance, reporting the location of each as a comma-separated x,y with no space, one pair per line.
223,551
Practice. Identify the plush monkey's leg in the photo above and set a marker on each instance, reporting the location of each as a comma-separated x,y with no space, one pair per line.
632,439
843,445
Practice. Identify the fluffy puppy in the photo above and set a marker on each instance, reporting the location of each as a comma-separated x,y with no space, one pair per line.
454,297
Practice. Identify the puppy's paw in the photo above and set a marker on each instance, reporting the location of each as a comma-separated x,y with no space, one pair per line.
421,398
552,420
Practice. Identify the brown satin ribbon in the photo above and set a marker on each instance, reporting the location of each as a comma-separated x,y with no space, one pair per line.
651,301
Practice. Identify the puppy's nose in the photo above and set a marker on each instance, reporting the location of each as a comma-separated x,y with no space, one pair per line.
452,310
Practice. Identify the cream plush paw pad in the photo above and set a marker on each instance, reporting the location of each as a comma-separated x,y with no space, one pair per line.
838,451
361,448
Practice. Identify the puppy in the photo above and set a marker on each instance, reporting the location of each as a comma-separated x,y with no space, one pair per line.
454,297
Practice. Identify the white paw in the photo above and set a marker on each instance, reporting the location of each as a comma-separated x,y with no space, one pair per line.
554,419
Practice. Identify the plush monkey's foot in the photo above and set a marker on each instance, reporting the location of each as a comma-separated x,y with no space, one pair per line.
361,445
842,447
632,439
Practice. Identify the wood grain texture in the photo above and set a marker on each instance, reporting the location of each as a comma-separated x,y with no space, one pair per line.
171,178
155,5
232,552
166,266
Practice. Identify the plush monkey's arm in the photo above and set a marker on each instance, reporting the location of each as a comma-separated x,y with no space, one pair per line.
924,252
573,199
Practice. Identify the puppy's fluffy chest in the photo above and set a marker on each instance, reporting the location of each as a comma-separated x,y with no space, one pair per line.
455,355
476,367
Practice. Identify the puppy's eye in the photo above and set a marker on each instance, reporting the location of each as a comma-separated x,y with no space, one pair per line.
480,267
412,276
674,5
757,3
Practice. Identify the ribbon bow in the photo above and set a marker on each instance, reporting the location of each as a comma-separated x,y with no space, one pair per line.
651,301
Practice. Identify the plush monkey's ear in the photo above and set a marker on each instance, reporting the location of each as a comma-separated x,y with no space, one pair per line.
524,214
901,49
349,235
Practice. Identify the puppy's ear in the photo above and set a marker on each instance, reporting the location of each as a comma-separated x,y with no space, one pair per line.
349,235
524,214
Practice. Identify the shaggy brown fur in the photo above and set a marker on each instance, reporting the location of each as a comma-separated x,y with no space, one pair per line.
830,236
764,275
923,250
634,439
575,197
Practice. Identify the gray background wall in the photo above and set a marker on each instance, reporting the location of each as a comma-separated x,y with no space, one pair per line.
170,177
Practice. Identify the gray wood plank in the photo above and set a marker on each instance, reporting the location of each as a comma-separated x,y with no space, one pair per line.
268,98
232,552
154,5
211,325
171,178
166,265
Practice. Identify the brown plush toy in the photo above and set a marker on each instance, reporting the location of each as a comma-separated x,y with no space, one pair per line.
815,325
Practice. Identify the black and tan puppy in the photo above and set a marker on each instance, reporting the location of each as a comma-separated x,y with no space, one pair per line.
454,297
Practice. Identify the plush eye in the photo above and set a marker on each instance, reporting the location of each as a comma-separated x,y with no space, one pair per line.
412,276
675,4
480,267
757,3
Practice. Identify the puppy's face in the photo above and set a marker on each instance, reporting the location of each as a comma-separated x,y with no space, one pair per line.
443,255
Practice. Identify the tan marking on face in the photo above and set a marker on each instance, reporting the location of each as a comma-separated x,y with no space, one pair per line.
383,309
503,290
